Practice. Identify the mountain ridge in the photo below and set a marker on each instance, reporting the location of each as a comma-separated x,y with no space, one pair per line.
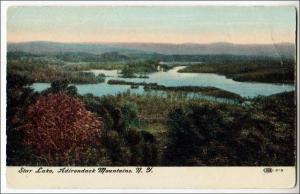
42,47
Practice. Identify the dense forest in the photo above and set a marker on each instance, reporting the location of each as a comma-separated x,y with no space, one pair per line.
46,68
49,67
60,127
259,69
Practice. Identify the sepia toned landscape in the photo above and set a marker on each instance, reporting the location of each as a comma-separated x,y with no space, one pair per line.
151,86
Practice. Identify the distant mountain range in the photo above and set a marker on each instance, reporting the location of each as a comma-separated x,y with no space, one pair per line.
43,47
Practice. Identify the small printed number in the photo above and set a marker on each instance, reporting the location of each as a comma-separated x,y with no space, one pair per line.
270,170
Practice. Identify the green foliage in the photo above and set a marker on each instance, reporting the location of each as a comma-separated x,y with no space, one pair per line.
127,72
19,97
211,134
61,86
260,69
130,112
125,145
145,66
189,130
88,57
134,67
209,91
151,130
182,138
44,70
157,130
83,66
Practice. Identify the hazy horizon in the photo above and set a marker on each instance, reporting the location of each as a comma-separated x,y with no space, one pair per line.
152,24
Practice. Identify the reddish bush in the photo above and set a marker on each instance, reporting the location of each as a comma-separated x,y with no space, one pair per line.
59,129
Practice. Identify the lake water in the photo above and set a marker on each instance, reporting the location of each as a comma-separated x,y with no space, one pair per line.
173,78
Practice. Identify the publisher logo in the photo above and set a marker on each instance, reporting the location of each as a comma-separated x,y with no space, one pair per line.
268,170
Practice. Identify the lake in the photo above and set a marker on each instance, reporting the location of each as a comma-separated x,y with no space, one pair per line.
173,78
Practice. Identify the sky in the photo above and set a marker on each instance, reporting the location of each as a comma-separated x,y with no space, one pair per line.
152,24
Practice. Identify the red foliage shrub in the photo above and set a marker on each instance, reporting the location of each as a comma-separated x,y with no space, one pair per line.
60,129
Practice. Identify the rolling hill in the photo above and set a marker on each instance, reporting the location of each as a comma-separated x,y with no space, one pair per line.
42,47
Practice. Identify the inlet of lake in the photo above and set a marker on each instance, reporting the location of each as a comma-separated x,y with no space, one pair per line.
174,78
